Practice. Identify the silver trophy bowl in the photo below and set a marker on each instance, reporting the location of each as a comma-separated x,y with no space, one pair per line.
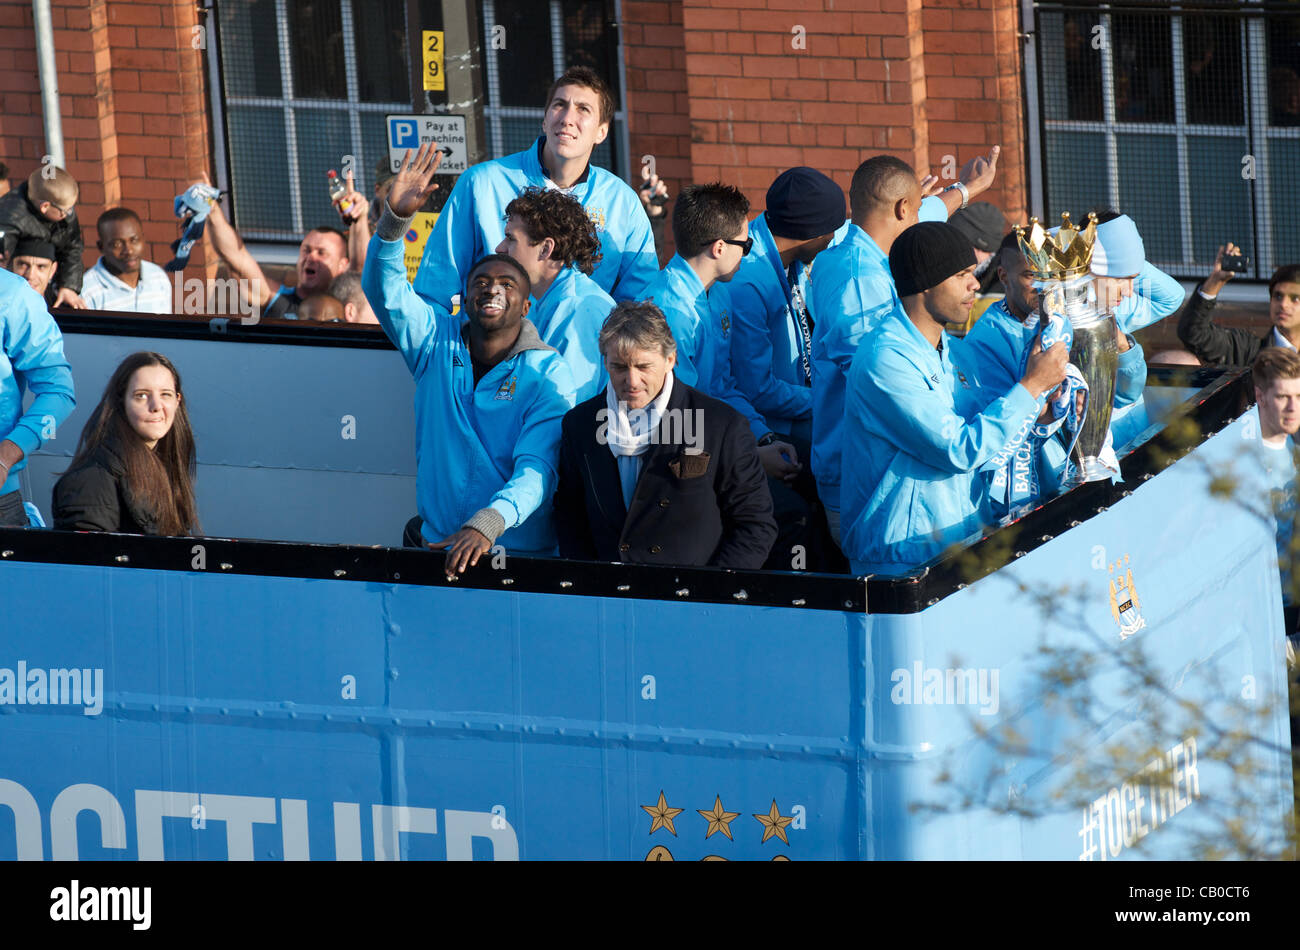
1095,354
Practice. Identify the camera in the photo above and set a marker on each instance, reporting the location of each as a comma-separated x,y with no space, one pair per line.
1235,263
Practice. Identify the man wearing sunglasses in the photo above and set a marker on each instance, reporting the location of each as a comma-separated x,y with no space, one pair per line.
711,232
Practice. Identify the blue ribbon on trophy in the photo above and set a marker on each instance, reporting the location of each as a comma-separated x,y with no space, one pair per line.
192,206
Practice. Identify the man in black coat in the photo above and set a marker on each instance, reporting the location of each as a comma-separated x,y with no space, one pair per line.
1230,346
653,471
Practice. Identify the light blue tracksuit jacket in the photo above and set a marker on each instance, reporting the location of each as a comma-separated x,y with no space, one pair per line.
569,317
472,224
31,358
913,440
852,290
767,348
495,444
701,323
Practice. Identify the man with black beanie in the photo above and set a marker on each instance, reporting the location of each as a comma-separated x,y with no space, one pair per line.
917,425
772,336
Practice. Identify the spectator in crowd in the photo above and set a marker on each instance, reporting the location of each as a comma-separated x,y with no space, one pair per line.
42,208
134,468
579,110
1275,373
711,234
551,236
33,261
1231,346
634,457
325,252
489,394
121,279
321,308
983,225
917,426
850,293
32,361
346,288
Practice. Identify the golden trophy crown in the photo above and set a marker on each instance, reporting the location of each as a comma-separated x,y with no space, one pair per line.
1060,256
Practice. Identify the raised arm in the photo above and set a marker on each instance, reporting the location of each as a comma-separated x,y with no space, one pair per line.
230,248
408,320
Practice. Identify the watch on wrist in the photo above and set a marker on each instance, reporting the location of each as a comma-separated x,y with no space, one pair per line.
767,439
962,190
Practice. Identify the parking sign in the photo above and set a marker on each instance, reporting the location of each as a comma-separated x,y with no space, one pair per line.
410,131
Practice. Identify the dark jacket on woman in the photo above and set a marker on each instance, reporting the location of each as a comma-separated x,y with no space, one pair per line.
1215,345
94,498
710,507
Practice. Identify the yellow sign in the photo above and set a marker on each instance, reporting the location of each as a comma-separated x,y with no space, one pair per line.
431,43
416,237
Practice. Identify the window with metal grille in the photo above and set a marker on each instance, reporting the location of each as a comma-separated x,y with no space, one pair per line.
303,84
1185,116
541,39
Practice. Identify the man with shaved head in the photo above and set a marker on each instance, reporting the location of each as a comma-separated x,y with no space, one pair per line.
852,288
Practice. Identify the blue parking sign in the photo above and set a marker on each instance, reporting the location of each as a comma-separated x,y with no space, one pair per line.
403,133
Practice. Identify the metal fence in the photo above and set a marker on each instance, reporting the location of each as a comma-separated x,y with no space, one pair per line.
1184,116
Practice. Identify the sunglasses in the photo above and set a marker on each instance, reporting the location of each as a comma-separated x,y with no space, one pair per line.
744,245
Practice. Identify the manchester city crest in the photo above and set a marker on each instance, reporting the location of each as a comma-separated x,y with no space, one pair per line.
1124,603
507,389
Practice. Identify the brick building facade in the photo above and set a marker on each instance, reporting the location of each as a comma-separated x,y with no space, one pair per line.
735,90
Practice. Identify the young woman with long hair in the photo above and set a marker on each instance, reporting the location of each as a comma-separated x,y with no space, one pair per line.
134,468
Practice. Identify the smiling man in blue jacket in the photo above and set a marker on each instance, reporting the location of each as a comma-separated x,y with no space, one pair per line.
579,110
32,359
915,433
489,394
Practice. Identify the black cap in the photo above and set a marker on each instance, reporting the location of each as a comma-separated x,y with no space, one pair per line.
33,247
982,224
927,254
803,204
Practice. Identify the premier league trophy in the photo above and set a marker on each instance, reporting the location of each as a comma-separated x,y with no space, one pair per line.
1059,263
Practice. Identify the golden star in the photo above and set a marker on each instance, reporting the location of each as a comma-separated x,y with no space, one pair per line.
663,815
774,824
719,820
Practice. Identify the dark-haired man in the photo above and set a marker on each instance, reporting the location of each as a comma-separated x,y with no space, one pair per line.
918,426
579,111
489,394
711,233
324,253
122,279
1231,346
551,236
34,261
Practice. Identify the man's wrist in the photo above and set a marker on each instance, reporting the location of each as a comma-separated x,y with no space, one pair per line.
1210,288
767,439
962,191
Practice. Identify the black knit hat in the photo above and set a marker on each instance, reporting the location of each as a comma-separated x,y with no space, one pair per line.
803,204
927,254
34,247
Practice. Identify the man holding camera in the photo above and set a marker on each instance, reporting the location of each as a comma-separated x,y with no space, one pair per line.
1230,346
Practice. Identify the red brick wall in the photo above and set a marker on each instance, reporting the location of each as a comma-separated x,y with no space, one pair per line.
655,60
827,83
133,102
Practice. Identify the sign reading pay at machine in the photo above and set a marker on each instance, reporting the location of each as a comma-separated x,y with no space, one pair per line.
411,131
